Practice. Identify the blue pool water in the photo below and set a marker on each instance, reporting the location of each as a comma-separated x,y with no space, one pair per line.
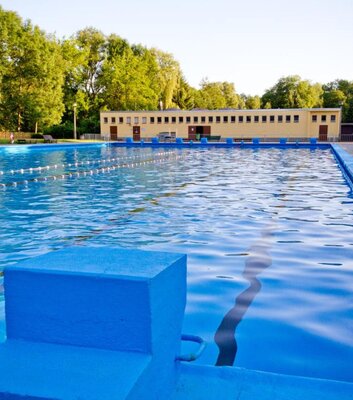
268,233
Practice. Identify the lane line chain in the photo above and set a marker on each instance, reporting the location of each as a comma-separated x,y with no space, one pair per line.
80,163
90,172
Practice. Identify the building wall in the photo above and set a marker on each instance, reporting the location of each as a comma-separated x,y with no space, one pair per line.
238,124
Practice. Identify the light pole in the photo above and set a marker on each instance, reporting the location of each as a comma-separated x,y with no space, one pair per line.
75,131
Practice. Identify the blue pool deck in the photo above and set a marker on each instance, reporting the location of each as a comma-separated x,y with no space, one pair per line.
105,323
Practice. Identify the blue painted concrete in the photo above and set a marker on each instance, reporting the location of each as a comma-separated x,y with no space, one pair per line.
228,383
49,371
345,161
242,144
83,312
46,147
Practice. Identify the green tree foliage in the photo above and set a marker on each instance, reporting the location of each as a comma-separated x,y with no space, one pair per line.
252,102
184,96
31,75
130,77
215,95
292,92
91,44
339,93
168,74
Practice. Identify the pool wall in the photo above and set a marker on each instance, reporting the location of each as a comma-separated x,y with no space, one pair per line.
107,322
345,161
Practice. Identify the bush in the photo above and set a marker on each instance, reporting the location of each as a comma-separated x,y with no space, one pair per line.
36,136
62,131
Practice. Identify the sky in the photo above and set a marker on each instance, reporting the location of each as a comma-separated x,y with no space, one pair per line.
251,43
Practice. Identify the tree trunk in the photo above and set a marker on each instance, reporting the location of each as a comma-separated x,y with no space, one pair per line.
36,127
19,117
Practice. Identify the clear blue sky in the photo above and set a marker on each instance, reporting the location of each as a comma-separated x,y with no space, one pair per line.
251,43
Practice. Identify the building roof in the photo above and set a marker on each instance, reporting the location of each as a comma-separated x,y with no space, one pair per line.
202,110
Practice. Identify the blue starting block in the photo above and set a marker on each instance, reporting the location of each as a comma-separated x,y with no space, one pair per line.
93,323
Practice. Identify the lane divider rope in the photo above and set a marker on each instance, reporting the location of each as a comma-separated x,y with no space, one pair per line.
80,163
96,171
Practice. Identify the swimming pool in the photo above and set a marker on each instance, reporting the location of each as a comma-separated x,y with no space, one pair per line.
268,233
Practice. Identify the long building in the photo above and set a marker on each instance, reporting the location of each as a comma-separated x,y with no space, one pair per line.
321,123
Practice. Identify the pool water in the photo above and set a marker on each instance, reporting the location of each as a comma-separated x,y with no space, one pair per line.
268,233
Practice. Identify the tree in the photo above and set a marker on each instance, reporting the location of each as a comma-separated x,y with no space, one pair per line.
168,74
130,77
216,95
339,93
31,76
252,102
91,44
184,96
292,92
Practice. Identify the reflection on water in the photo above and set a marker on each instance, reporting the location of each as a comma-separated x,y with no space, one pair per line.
225,337
268,236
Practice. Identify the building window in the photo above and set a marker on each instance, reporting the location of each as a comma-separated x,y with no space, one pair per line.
314,118
166,120
105,120
256,118
136,120
210,119
203,120
181,120
333,118
280,119
113,120
196,119
121,120
232,119
159,120
264,118
248,118
323,118
128,120
188,120
272,118
218,119
173,120
296,118
225,119
241,119
144,120
287,118
152,120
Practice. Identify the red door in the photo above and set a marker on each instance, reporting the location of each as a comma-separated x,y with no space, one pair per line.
206,131
136,133
113,133
192,133
323,133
